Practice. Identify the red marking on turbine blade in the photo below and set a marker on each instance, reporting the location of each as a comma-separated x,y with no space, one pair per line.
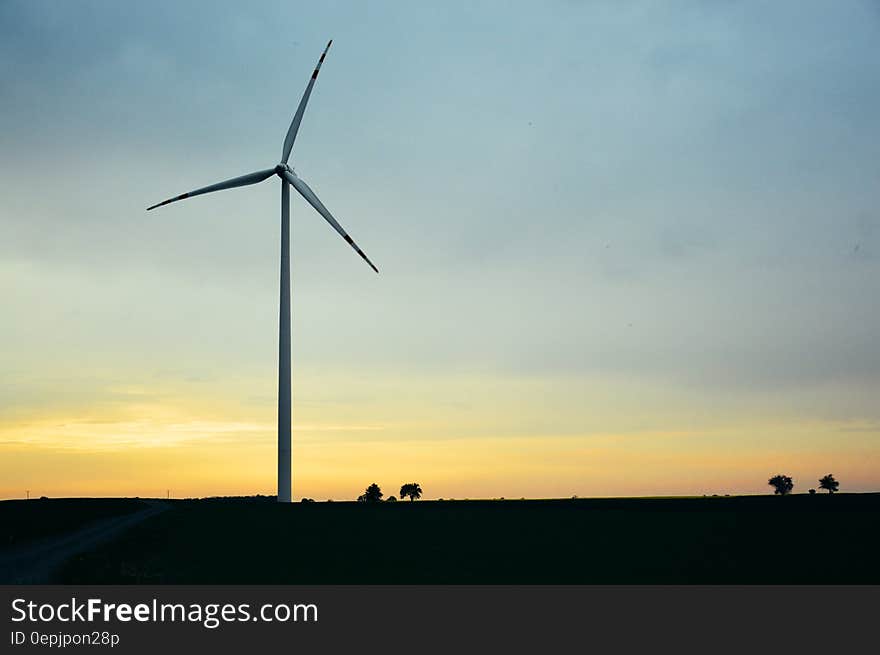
165,202
360,252
367,259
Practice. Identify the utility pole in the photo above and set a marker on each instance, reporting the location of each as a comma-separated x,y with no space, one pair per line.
168,494
28,492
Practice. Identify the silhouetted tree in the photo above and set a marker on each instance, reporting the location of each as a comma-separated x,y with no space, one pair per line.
782,484
829,483
411,490
812,491
372,494
391,499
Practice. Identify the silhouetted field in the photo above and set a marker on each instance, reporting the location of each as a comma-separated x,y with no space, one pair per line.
794,539
22,521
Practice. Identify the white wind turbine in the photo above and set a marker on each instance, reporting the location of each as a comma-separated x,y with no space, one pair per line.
288,177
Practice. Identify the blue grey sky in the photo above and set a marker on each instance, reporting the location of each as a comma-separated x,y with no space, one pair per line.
674,200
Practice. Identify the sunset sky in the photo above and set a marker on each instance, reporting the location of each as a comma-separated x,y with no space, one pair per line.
625,248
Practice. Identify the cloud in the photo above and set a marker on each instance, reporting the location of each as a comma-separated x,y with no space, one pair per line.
725,156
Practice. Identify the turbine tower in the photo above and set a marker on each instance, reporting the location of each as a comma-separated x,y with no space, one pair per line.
288,178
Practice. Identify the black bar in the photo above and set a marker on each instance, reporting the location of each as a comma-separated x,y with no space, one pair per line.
464,619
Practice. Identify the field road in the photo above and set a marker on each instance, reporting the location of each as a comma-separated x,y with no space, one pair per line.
33,563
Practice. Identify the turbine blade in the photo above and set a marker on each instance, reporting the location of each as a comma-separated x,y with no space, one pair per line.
244,180
306,192
298,116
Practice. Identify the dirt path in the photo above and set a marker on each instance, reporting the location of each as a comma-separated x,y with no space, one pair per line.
35,562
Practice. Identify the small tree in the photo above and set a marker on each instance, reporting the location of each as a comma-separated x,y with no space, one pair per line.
782,484
391,499
411,490
812,492
372,494
829,483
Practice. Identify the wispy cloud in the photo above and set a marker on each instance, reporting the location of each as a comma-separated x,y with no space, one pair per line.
674,229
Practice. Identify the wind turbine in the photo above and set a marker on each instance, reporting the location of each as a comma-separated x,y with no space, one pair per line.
288,178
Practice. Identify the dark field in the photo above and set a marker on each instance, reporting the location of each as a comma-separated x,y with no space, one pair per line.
744,540
23,521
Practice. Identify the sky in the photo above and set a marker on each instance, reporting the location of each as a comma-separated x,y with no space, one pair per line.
625,248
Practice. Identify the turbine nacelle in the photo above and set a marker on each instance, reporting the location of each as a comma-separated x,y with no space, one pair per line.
281,168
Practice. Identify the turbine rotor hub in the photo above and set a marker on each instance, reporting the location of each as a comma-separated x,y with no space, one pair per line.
280,168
